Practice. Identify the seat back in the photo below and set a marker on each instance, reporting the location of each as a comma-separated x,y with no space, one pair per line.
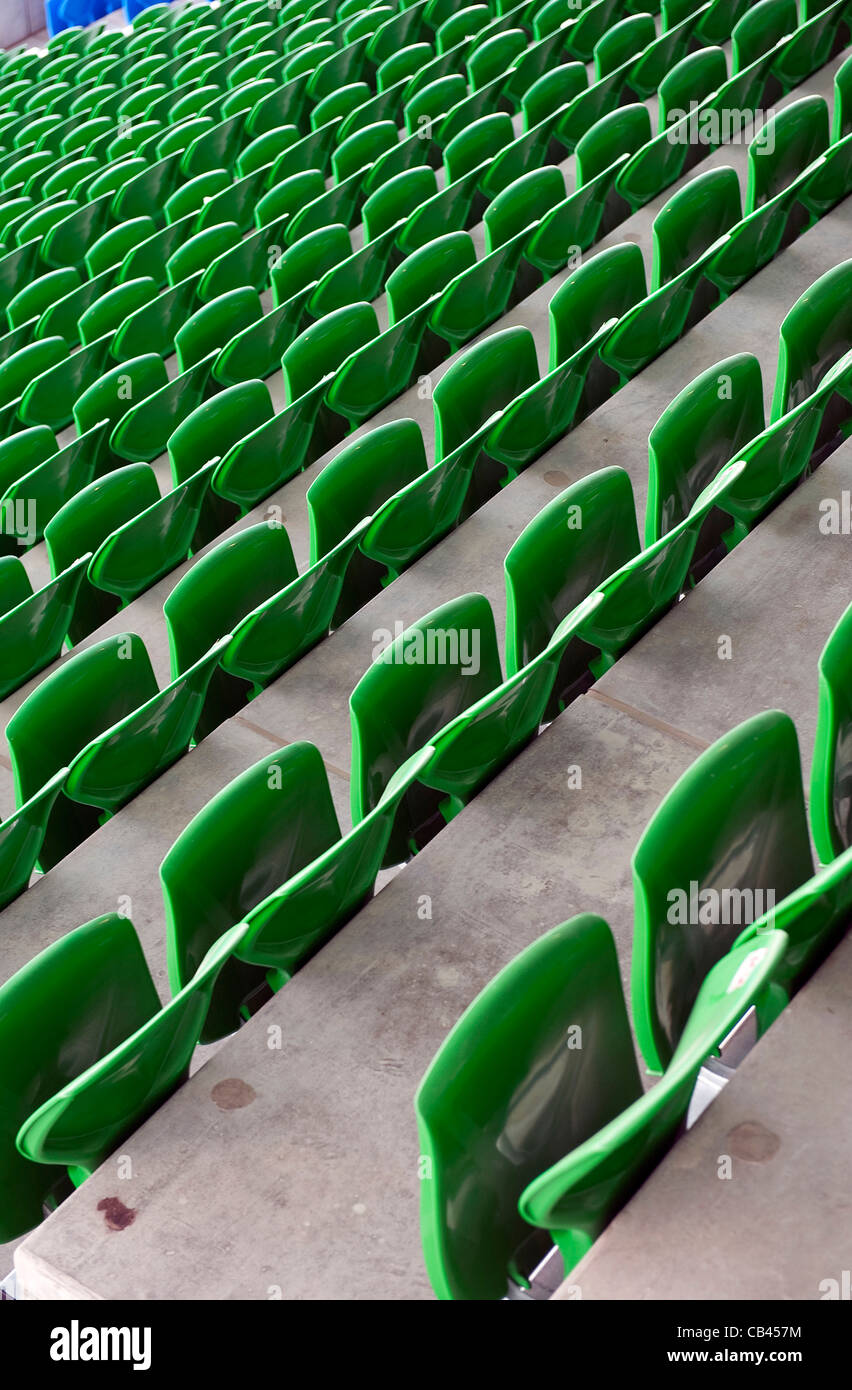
706,425
480,382
59,1014
604,287
759,29
694,78
91,691
522,1079
85,521
418,682
692,220
426,272
815,334
620,132
522,203
831,776
583,1191
791,140
263,827
728,842
215,425
576,541
320,349
87,1118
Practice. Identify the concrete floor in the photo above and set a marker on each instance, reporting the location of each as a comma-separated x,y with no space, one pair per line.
324,1157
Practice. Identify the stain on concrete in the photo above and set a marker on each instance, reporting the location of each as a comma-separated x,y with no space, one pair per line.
232,1094
753,1142
556,479
116,1215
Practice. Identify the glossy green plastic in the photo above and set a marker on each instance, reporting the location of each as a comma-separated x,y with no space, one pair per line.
209,432
52,481
814,335
707,424
140,551
728,842
217,592
760,28
504,1098
577,1197
33,624
262,828
418,683
64,1010
831,809
93,1093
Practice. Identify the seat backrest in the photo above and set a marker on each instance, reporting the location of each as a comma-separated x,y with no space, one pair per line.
479,382
397,199
88,693
831,776
815,334
576,541
223,586
582,1192
99,509
623,131
309,259
623,41
842,112
417,683
539,1062
427,271
692,220
522,203
694,78
215,425
728,841
760,28
707,424
118,390
791,139
359,478
260,829
62,1012
482,140
555,88
21,452
84,1121
320,349
604,287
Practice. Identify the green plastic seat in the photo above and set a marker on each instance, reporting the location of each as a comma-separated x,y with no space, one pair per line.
830,801
154,325
255,351
511,1120
151,255
33,624
94,975
479,144
622,41
576,1198
215,594
208,433
422,680
31,301
197,253
317,354
281,628
213,325
115,394
304,263
50,397
397,199
62,317
814,335
522,204
693,78
759,29
707,424
92,1053
84,522
581,312
24,366
140,551
110,726
109,311
50,479
265,826
352,486
728,841
451,209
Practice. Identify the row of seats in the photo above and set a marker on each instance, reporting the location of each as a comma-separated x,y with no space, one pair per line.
242,614
532,1120
748,785
115,729
174,503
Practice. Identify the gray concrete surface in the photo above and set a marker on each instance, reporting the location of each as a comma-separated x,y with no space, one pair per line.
328,1202
779,1228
